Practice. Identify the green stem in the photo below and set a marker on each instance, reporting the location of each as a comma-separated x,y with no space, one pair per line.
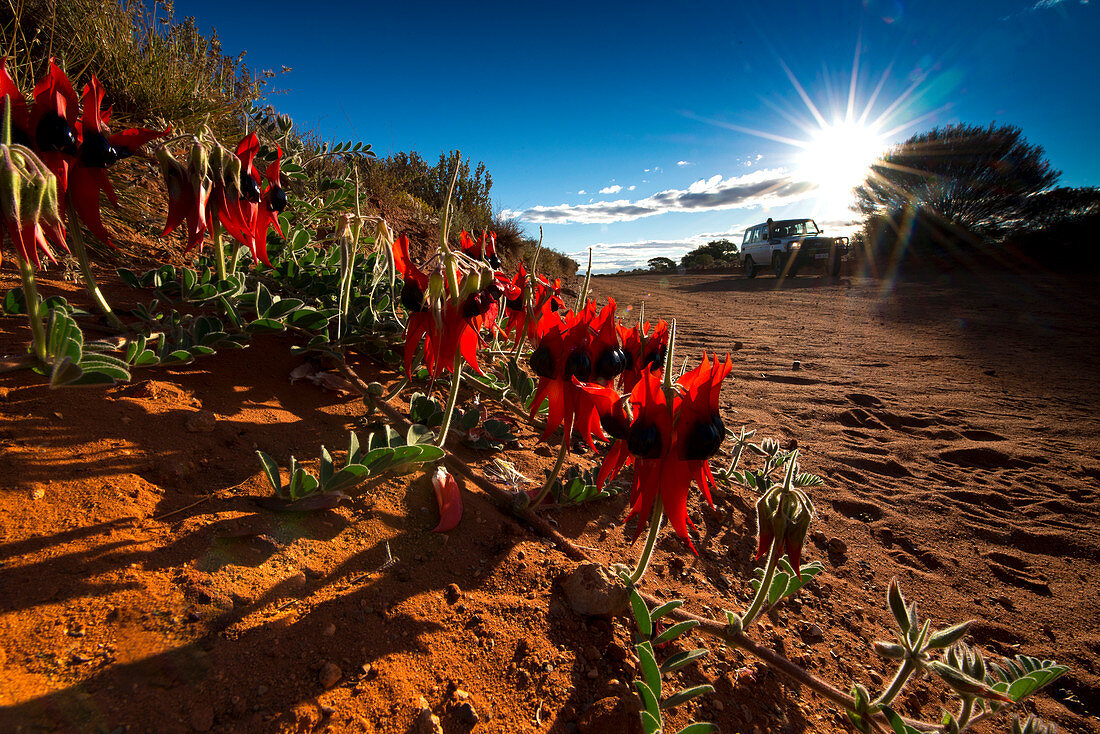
77,242
234,259
766,583
30,293
219,248
650,541
566,438
966,712
452,401
899,681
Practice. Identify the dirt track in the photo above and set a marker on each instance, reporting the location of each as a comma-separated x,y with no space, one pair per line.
956,425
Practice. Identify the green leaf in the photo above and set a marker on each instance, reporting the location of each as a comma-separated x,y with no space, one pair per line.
897,606
641,613
264,326
665,608
128,277
686,695
896,723
15,302
676,630
650,723
179,355
649,701
302,483
282,307
64,372
346,478
263,301
308,319
947,637
105,372
698,727
650,672
469,420
419,434
353,449
324,472
271,469
681,659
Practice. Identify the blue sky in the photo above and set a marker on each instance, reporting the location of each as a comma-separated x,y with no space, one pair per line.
645,129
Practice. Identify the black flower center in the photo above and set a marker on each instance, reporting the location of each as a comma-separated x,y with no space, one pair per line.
579,365
704,438
54,134
412,298
615,425
655,359
276,199
476,304
515,304
250,190
97,152
644,440
611,363
494,261
542,362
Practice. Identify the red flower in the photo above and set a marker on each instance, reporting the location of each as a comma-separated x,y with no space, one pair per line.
525,312
574,351
77,151
28,204
20,122
271,203
484,249
447,325
188,197
644,351
671,444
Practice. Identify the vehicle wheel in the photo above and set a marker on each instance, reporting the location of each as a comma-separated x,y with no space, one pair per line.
750,267
778,262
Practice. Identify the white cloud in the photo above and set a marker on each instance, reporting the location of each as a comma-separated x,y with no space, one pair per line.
631,188
683,163
582,192
774,187
611,189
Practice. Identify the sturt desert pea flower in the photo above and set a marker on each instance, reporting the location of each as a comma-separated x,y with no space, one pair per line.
527,308
189,192
52,123
272,202
88,175
485,248
564,361
20,123
644,351
448,324
28,203
671,443
783,516
448,498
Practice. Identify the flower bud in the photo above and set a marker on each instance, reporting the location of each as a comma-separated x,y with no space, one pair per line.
890,650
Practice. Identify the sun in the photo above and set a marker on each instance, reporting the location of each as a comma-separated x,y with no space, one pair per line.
837,157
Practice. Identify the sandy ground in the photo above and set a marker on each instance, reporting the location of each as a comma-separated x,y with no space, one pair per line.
955,424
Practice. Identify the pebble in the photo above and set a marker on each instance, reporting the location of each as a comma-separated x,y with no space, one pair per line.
426,722
467,714
876,678
452,593
329,630
796,366
836,545
330,674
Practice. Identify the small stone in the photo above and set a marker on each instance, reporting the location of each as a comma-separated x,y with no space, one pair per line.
426,722
796,366
717,705
812,633
876,678
327,711
838,546
202,421
38,493
467,714
593,674
329,630
330,674
592,590
452,593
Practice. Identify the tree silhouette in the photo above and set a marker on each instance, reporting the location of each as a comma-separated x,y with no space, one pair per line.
661,263
715,251
976,178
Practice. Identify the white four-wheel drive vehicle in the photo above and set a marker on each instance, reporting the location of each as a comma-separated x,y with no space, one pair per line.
788,245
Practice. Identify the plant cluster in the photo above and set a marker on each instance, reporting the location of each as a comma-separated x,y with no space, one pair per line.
454,323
